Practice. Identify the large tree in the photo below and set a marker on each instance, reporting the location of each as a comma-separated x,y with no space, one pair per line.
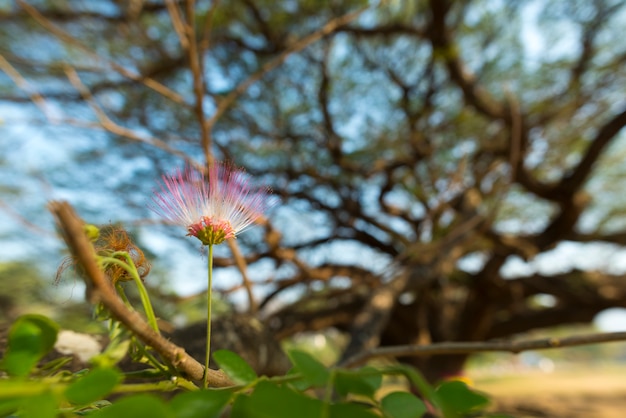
416,147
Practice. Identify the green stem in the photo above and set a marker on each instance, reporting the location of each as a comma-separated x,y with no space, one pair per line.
328,394
122,295
12,388
151,359
208,321
129,266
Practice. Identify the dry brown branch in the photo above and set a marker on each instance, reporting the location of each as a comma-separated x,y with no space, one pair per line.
109,125
66,37
177,23
21,82
240,286
243,269
477,347
515,154
297,46
205,41
71,227
186,32
442,40
104,122
197,71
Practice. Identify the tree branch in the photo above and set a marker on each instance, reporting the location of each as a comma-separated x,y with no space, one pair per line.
66,37
477,347
240,261
297,46
441,41
100,287
369,324
603,138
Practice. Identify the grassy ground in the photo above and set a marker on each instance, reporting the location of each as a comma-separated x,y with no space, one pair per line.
568,391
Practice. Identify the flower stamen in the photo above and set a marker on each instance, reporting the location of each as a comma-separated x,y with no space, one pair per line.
211,231
213,207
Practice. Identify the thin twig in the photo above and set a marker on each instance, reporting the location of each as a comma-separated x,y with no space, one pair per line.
476,347
270,65
205,41
197,71
109,125
243,269
105,123
66,37
21,82
177,23
186,31
515,153
71,227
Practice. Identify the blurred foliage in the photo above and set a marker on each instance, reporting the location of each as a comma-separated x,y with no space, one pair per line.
25,290
29,390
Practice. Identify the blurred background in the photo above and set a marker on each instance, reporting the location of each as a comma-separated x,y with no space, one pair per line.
445,171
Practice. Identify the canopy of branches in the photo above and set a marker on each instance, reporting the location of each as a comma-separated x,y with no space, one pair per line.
416,147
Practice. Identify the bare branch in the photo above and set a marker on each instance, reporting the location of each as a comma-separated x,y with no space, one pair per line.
516,146
441,40
297,46
195,64
66,37
205,41
21,82
104,121
478,347
74,15
243,269
109,125
603,138
71,227
177,23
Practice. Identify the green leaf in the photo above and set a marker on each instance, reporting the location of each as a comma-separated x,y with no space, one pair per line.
93,386
402,405
372,376
116,350
457,399
30,338
360,383
42,405
312,370
272,401
9,406
351,410
201,404
235,367
136,406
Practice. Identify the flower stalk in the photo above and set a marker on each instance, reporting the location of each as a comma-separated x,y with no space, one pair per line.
208,322
213,207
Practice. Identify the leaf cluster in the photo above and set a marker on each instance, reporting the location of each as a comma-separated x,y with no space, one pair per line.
30,388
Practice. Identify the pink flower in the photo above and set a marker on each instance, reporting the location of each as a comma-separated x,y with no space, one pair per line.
213,208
